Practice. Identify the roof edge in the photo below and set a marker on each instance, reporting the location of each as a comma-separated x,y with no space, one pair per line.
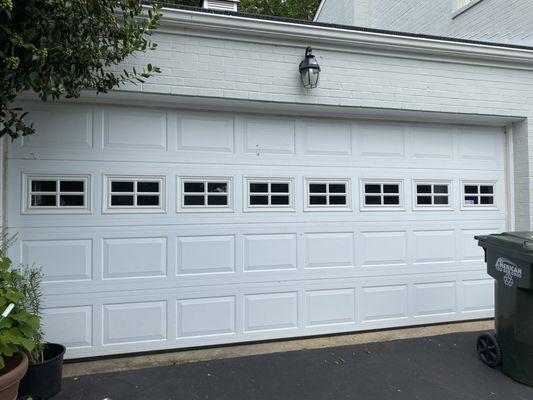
319,10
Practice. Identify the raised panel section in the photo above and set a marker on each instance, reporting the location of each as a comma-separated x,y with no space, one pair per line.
384,248
135,129
434,298
206,254
431,142
478,295
328,138
265,135
330,307
269,252
206,133
324,250
381,141
70,326
381,303
470,251
263,312
480,144
61,127
134,322
206,316
61,260
135,257
434,246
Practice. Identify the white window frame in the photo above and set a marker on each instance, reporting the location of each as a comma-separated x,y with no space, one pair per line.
134,209
383,207
328,207
27,208
460,6
433,182
269,208
181,207
466,207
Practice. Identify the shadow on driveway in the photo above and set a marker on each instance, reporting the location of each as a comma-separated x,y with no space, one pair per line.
441,367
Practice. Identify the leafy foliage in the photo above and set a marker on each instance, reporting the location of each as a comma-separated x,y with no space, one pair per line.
58,48
20,330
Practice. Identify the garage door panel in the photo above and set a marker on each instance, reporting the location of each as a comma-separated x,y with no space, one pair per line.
431,299
373,243
267,136
271,311
206,316
270,252
431,143
200,133
329,250
205,254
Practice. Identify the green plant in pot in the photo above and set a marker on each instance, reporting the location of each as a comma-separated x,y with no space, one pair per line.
19,330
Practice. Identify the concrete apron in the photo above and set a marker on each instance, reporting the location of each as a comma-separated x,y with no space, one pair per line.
188,356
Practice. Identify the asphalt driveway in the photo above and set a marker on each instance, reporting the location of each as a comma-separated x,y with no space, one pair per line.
441,367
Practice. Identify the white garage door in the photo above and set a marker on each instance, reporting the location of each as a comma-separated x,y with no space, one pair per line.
162,229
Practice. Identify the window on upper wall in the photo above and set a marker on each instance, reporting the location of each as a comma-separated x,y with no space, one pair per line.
381,194
269,194
56,194
460,6
432,195
327,194
205,194
134,194
478,195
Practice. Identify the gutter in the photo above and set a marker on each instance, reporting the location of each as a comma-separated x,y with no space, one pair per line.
247,28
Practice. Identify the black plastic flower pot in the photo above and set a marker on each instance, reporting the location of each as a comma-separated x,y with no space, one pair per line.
43,380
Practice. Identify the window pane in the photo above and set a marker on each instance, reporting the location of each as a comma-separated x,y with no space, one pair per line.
71,186
279,200
337,200
118,200
440,189
217,200
470,189
471,200
372,200
120,186
391,200
148,187
391,188
259,187
279,187
317,188
147,200
372,188
43,186
423,189
486,189
43,201
258,200
71,200
337,188
317,200
217,187
423,200
487,200
193,200
194,187
441,200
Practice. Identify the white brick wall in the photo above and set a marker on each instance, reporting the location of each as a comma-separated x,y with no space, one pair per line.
507,21
235,68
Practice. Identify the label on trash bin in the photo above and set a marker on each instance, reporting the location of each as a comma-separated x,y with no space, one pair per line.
509,270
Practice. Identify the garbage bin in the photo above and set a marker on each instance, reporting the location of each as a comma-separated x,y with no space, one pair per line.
509,258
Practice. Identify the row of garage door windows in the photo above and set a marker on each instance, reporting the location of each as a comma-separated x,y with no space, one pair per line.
146,193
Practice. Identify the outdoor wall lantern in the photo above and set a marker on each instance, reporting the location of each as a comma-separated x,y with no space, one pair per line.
309,70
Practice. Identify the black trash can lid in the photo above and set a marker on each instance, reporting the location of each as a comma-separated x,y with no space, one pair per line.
517,241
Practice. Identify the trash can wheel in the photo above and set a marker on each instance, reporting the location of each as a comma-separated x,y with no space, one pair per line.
489,350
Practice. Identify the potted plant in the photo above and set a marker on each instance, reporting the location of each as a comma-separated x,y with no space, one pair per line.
43,378
18,329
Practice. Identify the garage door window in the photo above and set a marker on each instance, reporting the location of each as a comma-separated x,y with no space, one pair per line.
134,194
205,194
269,194
479,195
381,195
324,195
56,194
432,195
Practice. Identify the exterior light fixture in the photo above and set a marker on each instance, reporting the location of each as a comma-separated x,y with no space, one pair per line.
309,70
